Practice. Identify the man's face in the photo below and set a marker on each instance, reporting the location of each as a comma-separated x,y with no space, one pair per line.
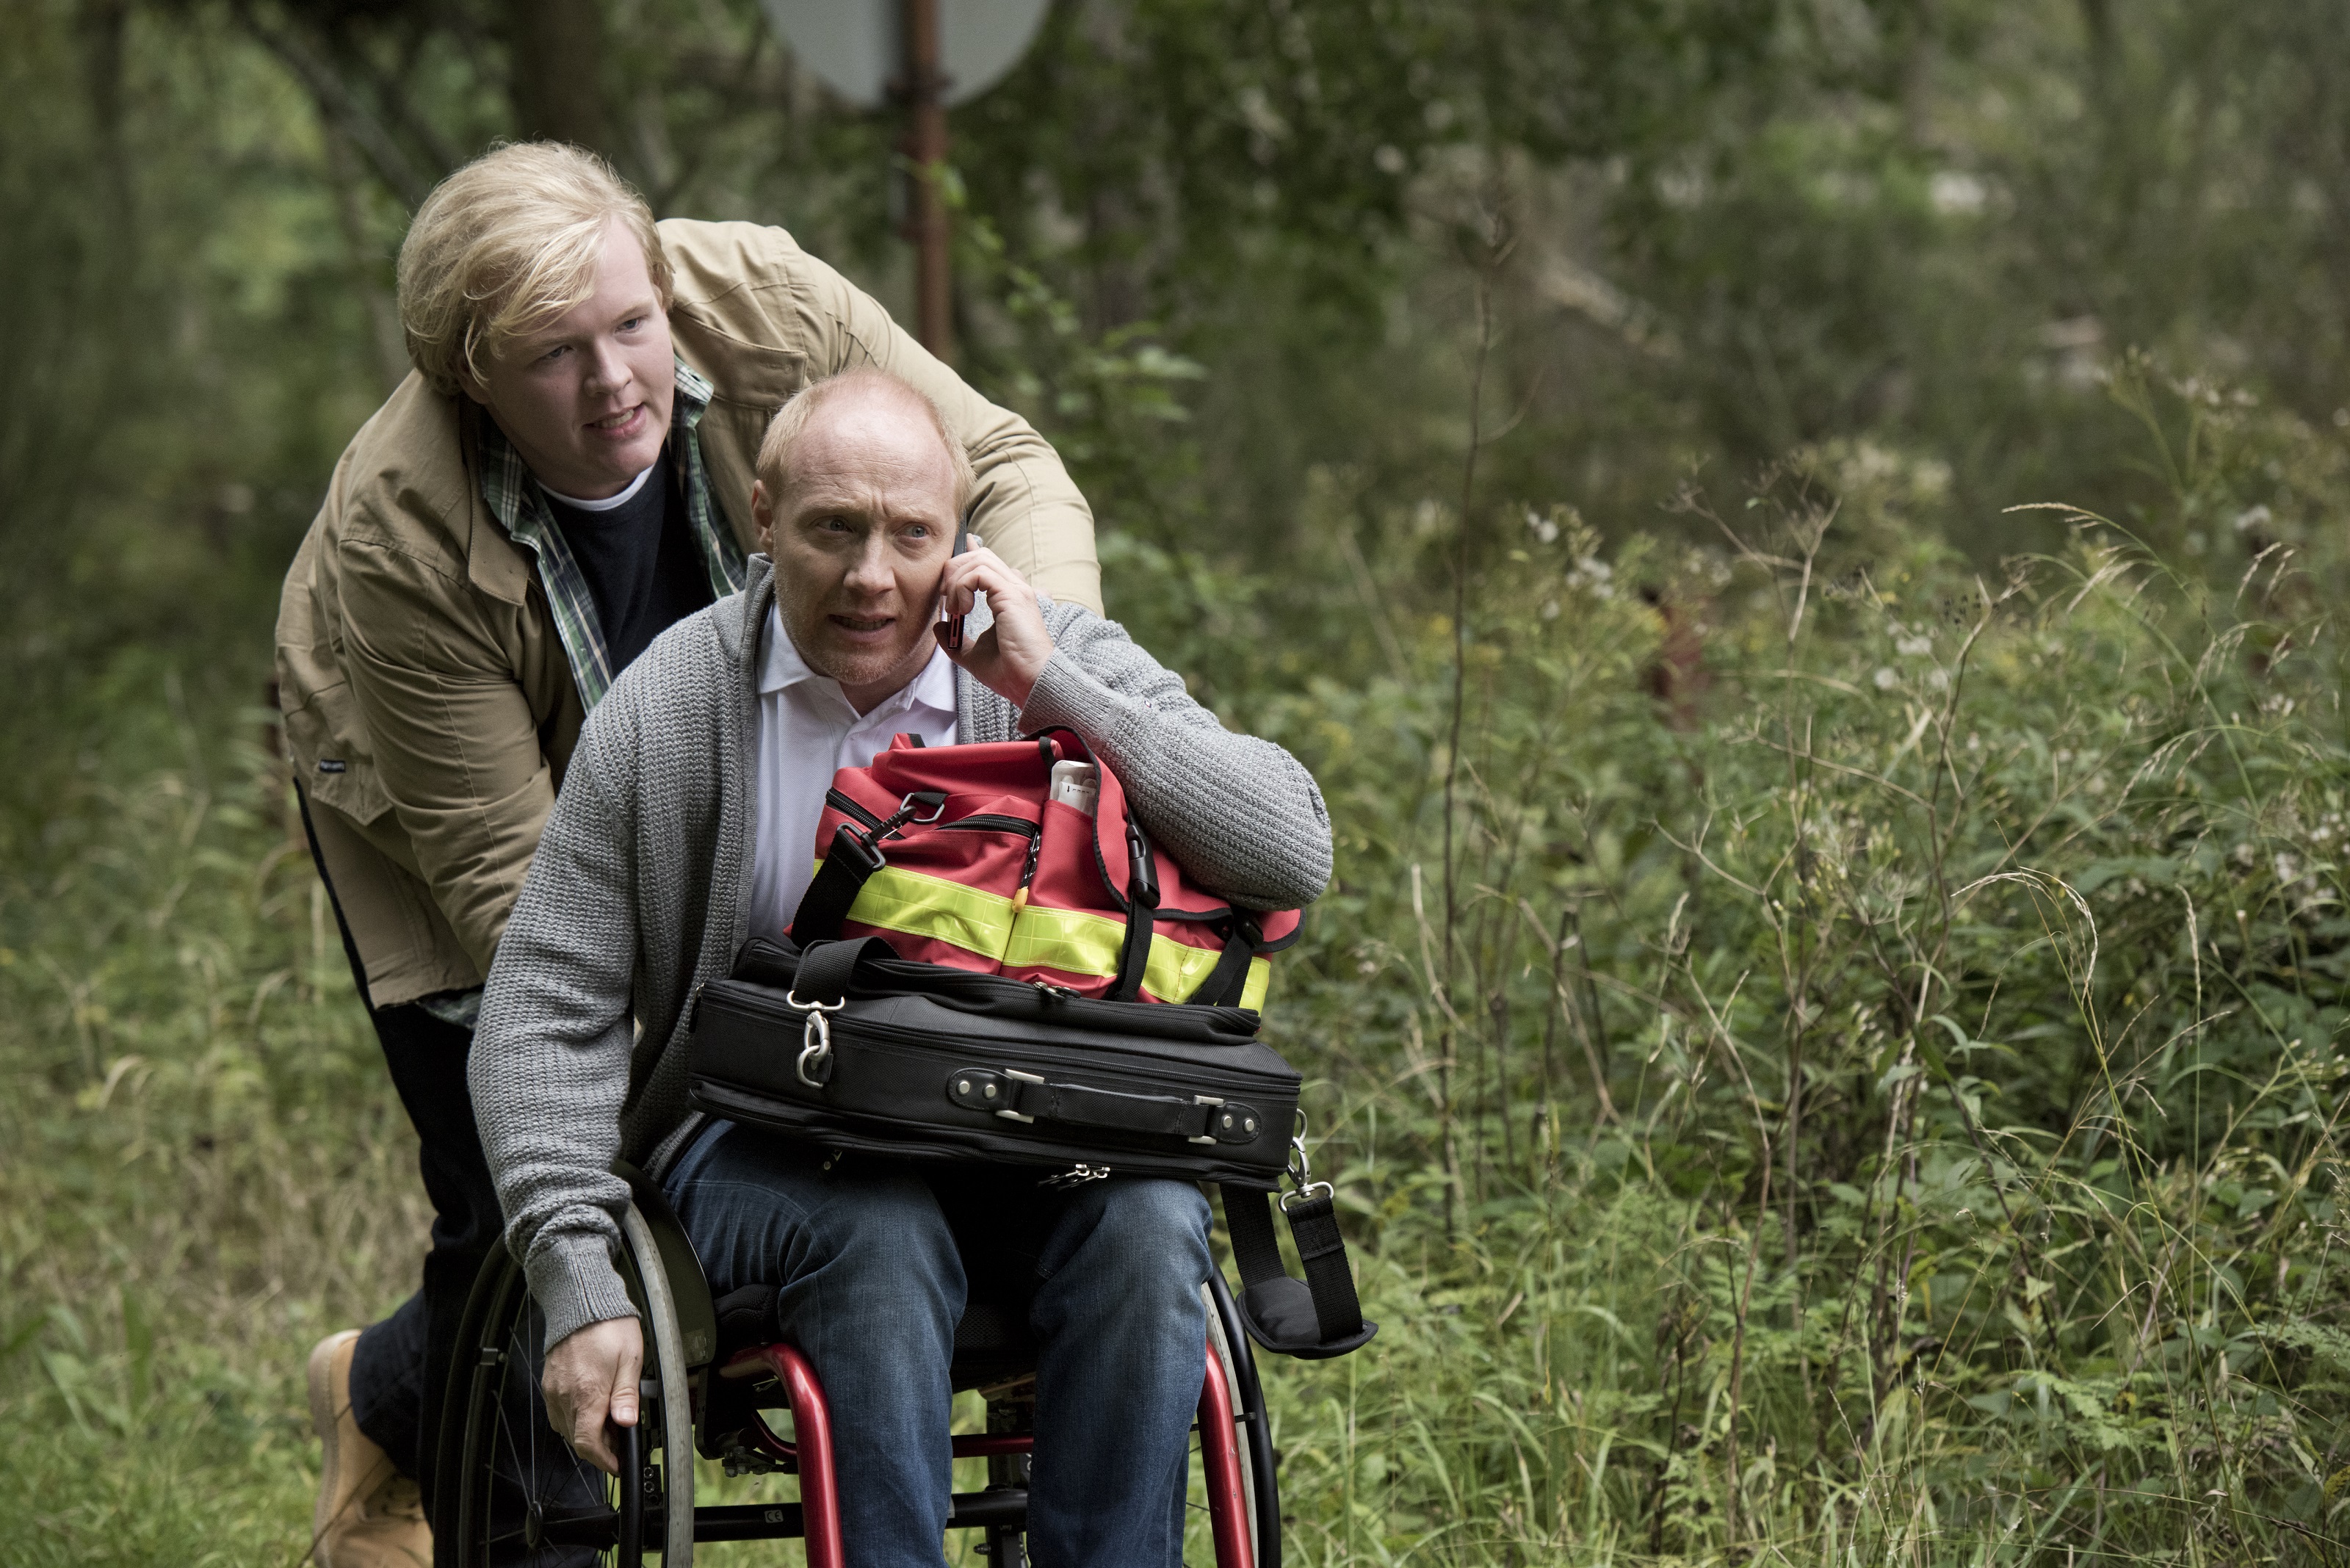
860,540
586,399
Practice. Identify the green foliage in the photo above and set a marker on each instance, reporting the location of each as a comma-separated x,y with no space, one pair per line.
1828,1037
1912,1088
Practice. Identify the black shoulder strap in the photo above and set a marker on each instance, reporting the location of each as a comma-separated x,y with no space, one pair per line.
1329,1321
826,904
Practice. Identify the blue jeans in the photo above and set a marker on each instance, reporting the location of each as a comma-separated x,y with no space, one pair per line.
875,1258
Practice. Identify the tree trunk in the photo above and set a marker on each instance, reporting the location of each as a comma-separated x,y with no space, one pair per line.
555,75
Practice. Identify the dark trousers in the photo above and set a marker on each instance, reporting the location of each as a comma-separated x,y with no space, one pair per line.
399,1369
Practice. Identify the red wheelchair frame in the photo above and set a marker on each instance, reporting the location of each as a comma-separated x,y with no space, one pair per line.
506,1491
811,1456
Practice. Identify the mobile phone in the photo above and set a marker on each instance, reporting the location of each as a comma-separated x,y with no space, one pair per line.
950,626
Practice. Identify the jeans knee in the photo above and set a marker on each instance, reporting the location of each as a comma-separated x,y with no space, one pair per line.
882,1231
1151,1236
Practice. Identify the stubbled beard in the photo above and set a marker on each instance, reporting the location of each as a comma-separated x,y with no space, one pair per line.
860,669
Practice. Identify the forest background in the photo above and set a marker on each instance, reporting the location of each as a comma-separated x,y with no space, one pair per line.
1827,1028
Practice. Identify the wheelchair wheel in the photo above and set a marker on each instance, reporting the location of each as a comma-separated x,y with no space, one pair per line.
512,1493
1259,1486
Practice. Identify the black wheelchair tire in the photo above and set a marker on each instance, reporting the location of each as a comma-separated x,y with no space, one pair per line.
493,1414
1239,1352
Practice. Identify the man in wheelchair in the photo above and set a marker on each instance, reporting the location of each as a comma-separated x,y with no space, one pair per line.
685,827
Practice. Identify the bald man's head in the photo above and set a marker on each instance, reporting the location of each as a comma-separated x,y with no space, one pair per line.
864,385
859,494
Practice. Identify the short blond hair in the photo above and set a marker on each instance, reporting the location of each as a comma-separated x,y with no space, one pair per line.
507,244
791,420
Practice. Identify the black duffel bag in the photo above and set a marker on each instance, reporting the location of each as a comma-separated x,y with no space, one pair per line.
851,1047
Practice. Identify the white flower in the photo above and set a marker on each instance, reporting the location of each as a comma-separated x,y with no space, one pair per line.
1914,647
1592,573
2251,517
1886,679
1543,528
1957,193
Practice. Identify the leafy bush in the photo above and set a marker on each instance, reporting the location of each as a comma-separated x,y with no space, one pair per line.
1871,1089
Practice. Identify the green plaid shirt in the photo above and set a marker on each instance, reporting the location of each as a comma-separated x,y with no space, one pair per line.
520,506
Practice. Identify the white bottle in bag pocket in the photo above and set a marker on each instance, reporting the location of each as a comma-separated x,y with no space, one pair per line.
1074,785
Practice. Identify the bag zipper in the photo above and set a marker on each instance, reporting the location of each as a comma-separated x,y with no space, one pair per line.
993,822
990,822
939,979
848,807
1191,1074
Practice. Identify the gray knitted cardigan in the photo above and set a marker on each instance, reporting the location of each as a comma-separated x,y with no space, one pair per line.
639,893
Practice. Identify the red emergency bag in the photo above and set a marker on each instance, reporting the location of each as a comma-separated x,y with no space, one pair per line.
957,856
960,983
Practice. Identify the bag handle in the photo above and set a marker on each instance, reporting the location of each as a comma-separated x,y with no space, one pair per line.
1229,980
1026,1098
827,967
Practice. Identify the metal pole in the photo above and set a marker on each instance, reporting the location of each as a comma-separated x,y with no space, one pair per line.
926,144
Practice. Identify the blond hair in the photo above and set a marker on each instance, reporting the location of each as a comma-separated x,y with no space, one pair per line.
507,244
791,422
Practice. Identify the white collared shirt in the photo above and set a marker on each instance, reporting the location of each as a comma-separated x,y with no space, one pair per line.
807,730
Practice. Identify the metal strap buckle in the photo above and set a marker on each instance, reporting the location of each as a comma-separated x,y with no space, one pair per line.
1301,1171
815,1066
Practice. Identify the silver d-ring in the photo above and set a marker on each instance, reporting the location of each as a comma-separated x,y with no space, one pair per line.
1309,1190
792,999
816,1051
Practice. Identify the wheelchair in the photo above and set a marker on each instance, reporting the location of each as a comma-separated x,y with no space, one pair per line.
508,1490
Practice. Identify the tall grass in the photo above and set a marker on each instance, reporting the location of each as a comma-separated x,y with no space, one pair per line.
1872,1096
1883,1106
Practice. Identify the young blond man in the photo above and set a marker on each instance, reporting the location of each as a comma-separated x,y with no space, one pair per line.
568,472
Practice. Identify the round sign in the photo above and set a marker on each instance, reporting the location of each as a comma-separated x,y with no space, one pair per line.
854,45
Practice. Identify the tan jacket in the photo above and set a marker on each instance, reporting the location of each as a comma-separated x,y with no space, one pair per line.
430,708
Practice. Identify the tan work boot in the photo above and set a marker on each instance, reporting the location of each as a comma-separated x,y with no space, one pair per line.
368,1514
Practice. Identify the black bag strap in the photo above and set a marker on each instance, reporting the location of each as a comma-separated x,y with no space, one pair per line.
1267,1305
1227,981
1141,915
846,867
826,968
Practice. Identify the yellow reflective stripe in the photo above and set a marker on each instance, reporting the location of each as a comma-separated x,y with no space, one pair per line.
1034,937
1176,968
1075,943
922,905
1068,939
